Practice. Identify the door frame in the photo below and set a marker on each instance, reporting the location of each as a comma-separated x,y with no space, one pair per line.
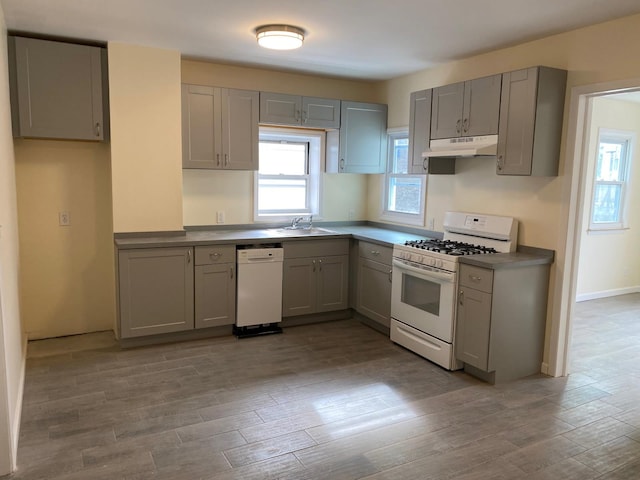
575,187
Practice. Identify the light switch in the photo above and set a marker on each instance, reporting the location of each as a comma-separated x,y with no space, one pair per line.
64,219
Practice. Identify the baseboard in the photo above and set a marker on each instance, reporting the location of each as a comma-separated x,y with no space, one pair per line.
17,418
607,293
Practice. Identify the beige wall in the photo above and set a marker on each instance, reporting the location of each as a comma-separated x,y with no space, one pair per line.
610,261
146,151
68,269
592,55
205,191
13,350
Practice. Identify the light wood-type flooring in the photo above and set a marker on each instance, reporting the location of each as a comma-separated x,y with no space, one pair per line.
328,401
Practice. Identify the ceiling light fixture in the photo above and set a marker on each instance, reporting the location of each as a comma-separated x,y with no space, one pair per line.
280,37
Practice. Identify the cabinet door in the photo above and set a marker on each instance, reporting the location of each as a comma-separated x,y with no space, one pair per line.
481,110
419,129
299,286
374,291
155,290
215,295
240,110
59,90
320,112
446,111
280,108
333,283
517,122
363,138
473,327
201,127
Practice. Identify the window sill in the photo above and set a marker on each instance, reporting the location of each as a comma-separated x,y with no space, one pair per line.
404,219
606,230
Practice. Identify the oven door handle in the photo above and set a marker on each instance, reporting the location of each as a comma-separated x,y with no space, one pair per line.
426,274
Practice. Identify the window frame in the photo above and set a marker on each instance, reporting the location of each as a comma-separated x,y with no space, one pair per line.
627,139
315,163
417,219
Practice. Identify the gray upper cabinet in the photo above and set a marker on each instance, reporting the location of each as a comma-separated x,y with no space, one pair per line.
360,146
155,291
312,112
58,90
419,129
219,128
531,113
466,109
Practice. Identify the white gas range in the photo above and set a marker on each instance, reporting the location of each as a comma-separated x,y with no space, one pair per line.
423,298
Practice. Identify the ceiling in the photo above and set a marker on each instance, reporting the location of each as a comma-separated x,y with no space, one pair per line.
359,39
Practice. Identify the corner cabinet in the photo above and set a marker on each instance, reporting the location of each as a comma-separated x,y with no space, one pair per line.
155,290
315,277
294,110
58,89
501,319
373,297
360,145
215,286
531,113
466,109
219,128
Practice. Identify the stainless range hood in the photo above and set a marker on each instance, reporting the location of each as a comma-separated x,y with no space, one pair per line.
486,145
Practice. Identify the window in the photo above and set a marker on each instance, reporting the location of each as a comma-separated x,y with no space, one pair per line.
610,180
404,193
287,182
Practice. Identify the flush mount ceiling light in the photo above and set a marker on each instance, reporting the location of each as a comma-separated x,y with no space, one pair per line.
280,37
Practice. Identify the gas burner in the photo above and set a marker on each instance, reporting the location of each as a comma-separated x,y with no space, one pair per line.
450,247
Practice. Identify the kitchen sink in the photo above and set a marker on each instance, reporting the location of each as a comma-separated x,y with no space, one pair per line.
299,232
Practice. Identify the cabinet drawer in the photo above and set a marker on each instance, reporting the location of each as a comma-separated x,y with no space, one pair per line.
476,277
215,254
316,248
372,251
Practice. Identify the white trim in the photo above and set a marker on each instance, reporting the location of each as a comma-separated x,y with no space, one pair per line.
607,293
563,299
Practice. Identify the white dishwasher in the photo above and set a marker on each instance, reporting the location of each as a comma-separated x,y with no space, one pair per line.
259,291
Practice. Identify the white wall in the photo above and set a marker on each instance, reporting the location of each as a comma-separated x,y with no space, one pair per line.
12,340
610,261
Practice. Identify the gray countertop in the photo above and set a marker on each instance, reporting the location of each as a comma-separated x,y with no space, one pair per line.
525,256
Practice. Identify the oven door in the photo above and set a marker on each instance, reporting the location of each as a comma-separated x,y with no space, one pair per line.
424,298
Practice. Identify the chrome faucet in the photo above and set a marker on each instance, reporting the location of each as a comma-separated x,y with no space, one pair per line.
310,222
295,221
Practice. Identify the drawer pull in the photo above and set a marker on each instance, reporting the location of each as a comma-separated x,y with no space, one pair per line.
375,252
461,297
214,256
474,278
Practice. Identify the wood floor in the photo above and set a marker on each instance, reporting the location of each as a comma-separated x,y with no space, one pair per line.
329,401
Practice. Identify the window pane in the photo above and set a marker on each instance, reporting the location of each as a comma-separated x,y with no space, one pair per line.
606,203
283,158
399,161
286,194
404,194
610,167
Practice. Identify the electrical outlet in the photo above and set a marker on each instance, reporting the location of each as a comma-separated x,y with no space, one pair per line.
432,223
220,216
64,219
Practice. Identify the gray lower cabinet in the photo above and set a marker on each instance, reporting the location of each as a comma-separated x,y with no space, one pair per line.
501,317
374,282
315,277
155,291
531,113
58,89
360,145
466,109
294,110
219,128
215,286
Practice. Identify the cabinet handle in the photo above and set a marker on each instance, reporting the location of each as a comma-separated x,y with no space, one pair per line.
390,275
97,129
424,164
214,256
297,115
189,256
231,271
218,159
342,164
314,265
320,265
305,117
473,278
461,297
375,252
458,126
465,125
226,159
500,162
